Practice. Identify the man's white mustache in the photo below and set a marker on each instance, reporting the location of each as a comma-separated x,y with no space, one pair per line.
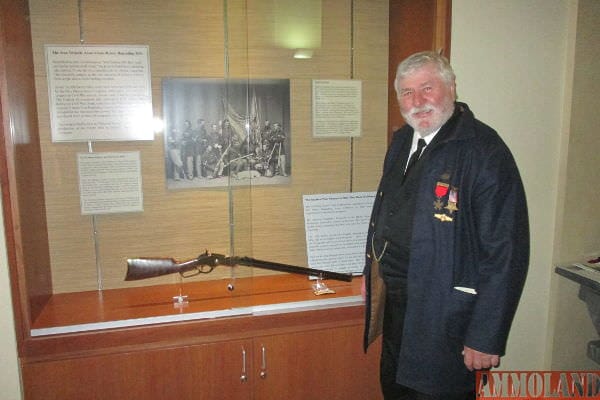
416,110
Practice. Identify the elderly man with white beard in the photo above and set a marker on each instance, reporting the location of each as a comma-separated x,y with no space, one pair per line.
448,243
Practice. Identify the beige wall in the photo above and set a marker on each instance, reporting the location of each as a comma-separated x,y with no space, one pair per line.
578,230
528,69
10,388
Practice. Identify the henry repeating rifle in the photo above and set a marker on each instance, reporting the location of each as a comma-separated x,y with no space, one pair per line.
143,268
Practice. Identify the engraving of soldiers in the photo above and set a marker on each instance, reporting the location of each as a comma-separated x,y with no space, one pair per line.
212,157
188,148
258,159
264,134
237,156
254,133
174,153
212,152
200,145
227,134
226,130
277,155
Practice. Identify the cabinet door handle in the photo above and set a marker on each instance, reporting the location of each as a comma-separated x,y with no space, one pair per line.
263,366
244,376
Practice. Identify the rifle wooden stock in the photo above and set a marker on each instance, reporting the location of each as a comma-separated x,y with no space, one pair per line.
143,268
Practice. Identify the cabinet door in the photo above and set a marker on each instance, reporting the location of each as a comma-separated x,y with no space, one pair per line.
320,364
210,371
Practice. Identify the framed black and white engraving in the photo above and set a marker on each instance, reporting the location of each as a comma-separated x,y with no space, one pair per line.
221,132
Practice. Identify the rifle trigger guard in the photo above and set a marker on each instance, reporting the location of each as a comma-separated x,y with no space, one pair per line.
200,269
205,269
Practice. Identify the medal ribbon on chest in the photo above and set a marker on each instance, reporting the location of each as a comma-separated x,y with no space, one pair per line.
441,190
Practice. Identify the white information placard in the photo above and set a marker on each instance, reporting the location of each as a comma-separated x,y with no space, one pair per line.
336,226
336,108
99,93
110,182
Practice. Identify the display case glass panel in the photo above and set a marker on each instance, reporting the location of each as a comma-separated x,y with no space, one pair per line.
232,152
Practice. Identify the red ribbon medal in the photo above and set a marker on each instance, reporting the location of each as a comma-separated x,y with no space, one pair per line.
441,189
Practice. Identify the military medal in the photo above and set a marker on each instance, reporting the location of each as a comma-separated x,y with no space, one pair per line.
440,191
452,200
443,217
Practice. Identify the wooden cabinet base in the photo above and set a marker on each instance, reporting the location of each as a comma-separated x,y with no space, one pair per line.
276,357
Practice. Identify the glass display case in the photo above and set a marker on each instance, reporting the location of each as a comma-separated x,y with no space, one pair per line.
195,133
171,131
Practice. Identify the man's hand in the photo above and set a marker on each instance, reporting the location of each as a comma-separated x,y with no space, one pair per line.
477,360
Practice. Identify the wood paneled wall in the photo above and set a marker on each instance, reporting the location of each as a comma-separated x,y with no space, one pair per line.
202,38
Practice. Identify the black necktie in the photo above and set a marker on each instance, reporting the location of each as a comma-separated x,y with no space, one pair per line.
415,156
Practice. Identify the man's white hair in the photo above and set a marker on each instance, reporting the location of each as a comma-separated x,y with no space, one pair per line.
419,60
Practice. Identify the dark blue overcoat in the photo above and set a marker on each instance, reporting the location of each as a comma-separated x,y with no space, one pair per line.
469,256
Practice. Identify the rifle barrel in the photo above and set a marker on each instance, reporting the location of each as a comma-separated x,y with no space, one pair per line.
252,262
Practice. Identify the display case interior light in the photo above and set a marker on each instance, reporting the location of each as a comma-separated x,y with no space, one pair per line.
297,24
303,53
